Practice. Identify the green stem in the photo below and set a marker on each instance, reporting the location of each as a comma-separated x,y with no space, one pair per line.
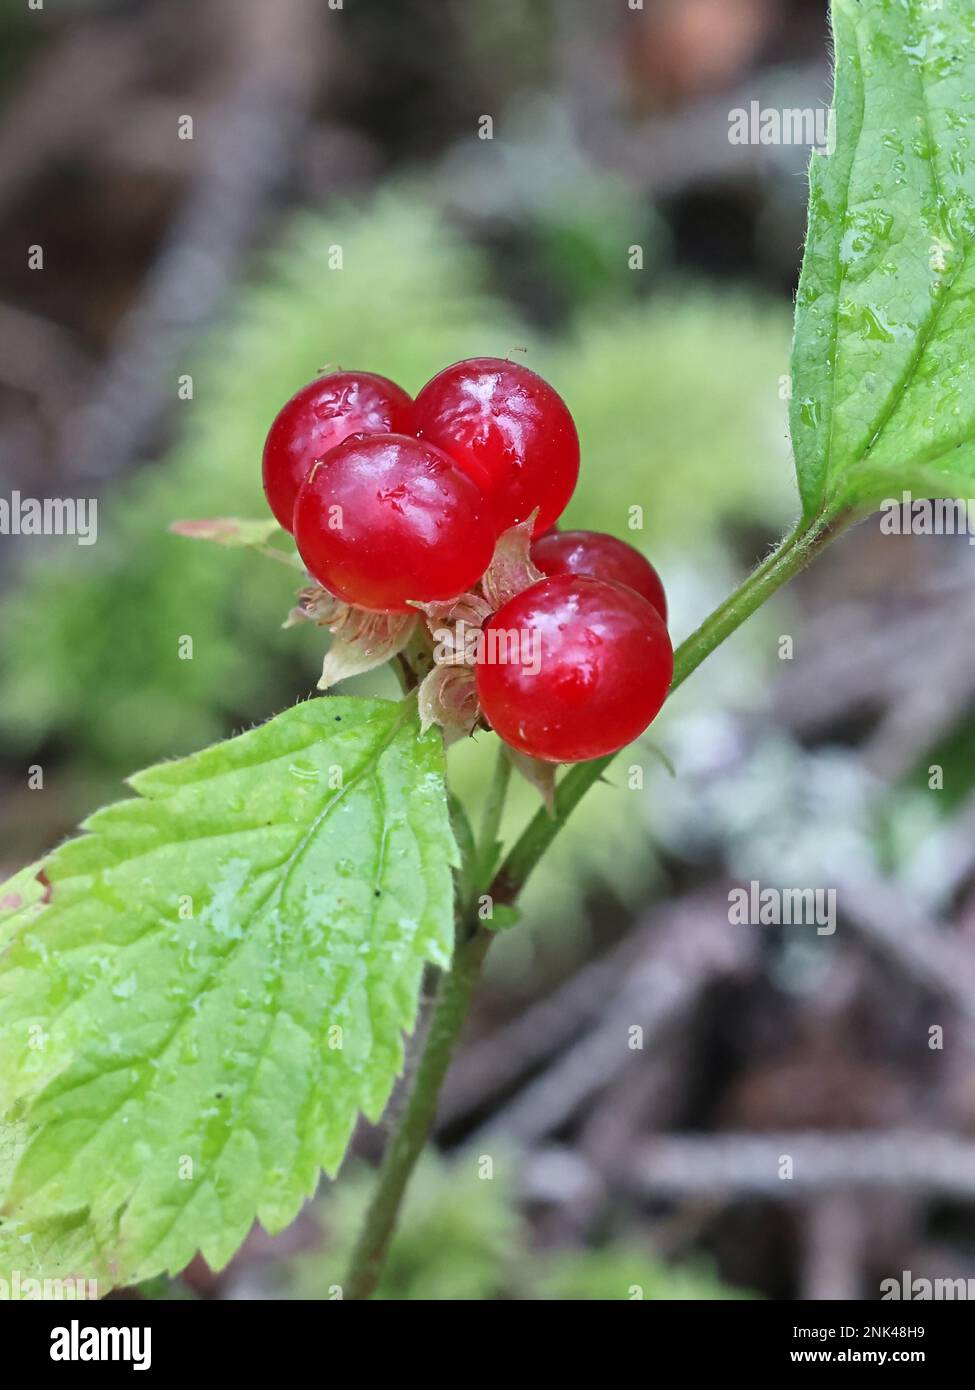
415,1123
487,840
457,986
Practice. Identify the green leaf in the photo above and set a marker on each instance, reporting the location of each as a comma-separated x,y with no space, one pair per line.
64,1247
215,980
885,313
503,916
227,530
238,534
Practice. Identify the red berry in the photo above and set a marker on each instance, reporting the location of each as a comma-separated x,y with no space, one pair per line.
573,668
385,518
509,430
321,415
603,557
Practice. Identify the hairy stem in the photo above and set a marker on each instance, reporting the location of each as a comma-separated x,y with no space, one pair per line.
447,1020
487,840
416,1121
457,986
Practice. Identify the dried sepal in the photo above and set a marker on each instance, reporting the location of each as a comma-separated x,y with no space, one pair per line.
511,570
540,774
366,641
316,605
471,609
455,628
362,641
448,697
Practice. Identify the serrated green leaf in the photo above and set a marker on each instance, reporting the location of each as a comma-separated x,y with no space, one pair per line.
168,1007
885,313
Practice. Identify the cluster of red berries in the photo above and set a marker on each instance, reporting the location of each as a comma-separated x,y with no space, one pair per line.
394,501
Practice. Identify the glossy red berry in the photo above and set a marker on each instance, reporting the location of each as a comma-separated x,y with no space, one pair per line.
509,430
603,557
318,417
385,518
573,668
